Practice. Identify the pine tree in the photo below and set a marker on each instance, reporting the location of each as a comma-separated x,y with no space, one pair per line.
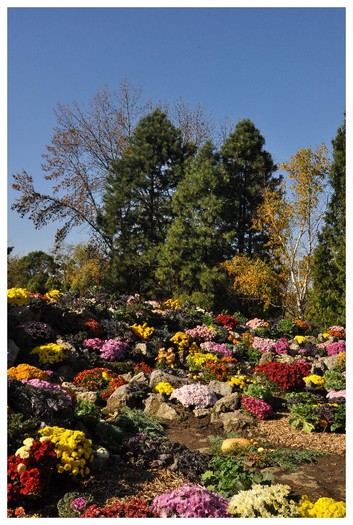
196,242
137,201
329,268
249,169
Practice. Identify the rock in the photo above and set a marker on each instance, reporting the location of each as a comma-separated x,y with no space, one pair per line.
12,353
140,377
318,368
285,358
116,400
227,403
155,406
233,421
65,373
201,412
141,347
158,376
331,362
127,377
87,396
220,388
21,314
267,357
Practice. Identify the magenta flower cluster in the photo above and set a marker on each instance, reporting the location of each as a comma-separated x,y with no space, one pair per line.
201,332
111,350
258,407
281,346
197,396
190,502
45,385
336,348
79,504
218,348
263,345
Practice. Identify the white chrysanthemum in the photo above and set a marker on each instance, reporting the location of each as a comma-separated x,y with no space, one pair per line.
264,502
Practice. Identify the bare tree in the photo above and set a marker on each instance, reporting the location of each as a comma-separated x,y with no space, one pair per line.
84,146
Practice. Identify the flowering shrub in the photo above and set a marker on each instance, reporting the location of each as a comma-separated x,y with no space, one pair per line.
92,326
48,387
255,323
24,371
172,304
217,348
281,346
315,379
49,353
337,331
202,332
93,344
264,502
322,508
302,325
216,371
38,331
95,379
53,295
190,502
263,345
73,504
197,396
30,469
112,386
113,350
134,508
166,358
228,321
72,448
18,297
239,381
143,367
336,348
163,387
258,407
142,331
181,340
197,361
289,377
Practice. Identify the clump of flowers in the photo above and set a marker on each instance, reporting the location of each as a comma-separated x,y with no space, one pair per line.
92,326
336,394
73,504
322,508
38,330
142,331
217,348
113,350
112,386
72,448
172,304
228,321
143,367
281,346
26,372
302,325
95,379
240,381
315,379
30,469
190,502
93,344
300,339
18,297
197,361
181,340
257,407
202,332
263,345
163,387
255,323
337,331
53,295
133,508
289,377
166,358
197,396
336,348
264,502
49,353
48,387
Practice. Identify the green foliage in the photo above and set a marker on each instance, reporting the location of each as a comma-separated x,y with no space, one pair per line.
329,265
291,459
228,476
63,505
334,380
286,328
302,417
135,420
86,408
252,354
18,429
37,272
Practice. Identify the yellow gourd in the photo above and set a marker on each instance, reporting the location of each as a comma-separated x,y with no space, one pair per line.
230,444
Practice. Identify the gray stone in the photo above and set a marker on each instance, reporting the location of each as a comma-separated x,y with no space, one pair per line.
294,346
140,377
267,357
127,376
318,368
116,400
331,362
87,396
227,403
233,421
220,388
155,406
159,375
12,353
285,358
21,314
201,412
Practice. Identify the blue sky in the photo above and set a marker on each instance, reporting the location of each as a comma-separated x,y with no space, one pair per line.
284,68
